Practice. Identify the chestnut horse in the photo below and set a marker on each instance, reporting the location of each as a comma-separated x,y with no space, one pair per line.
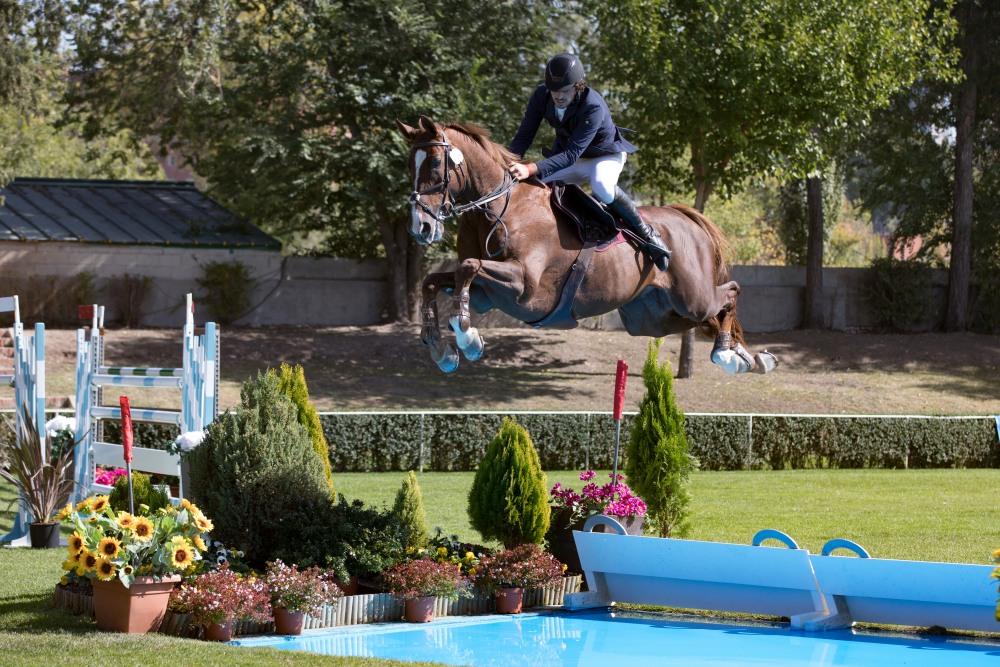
516,254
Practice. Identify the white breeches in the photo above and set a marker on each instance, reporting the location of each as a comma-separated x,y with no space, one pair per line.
602,173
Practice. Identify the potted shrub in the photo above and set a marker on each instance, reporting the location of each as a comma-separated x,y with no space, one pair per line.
509,572
133,561
295,593
571,509
43,476
419,582
216,599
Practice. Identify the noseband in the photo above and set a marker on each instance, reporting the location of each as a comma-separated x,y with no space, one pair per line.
448,208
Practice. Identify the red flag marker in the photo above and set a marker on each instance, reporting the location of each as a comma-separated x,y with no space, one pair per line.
127,447
621,377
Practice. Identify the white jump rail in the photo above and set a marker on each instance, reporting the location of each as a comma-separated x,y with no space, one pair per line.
28,381
821,592
197,379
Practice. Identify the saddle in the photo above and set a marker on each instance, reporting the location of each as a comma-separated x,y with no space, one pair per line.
592,222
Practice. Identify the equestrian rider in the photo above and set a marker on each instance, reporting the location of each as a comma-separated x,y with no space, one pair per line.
588,146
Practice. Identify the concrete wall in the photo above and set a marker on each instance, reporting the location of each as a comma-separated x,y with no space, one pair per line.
329,291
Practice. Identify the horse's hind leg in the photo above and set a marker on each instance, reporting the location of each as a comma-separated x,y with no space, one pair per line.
728,352
443,354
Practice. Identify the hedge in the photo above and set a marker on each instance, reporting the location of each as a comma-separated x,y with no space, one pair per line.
373,442
442,441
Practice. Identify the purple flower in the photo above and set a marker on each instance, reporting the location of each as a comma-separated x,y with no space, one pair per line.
587,475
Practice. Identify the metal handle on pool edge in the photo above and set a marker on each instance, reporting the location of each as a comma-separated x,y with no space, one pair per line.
603,520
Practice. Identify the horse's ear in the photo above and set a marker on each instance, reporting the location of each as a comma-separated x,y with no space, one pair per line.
407,131
427,125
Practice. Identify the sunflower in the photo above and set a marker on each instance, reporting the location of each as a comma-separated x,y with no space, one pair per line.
75,542
88,560
143,529
64,512
199,543
204,524
125,521
69,564
99,503
106,570
109,547
84,505
128,569
181,556
191,507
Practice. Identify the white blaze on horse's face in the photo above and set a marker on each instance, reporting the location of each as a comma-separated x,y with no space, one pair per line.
425,228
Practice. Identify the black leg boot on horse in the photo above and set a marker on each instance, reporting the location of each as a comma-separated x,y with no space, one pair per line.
652,243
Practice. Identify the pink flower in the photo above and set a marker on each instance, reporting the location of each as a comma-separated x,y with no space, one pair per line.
587,475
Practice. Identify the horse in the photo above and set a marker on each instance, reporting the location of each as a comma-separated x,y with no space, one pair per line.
517,254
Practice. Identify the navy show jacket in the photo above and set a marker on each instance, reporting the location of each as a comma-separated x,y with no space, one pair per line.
586,130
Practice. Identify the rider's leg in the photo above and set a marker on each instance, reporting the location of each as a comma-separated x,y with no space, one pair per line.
604,182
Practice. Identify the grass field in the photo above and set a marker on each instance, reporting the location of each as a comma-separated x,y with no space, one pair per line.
945,515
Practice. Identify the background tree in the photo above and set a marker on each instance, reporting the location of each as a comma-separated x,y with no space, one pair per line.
409,509
288,108
508,500
747,87
657,459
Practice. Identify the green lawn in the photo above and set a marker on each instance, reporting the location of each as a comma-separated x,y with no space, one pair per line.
947,515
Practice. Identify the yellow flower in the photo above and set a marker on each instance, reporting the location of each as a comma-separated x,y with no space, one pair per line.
469,555
109,547
128,569
98,504
106,570
84,505
996,555
69,564
191,507
442,551
125,521
64,580
204,525
565,567
64,512
143,529
88,560
199,543
472,571
181,556
180,541
75,542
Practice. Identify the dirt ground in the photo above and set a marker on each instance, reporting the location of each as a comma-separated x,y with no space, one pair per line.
386,368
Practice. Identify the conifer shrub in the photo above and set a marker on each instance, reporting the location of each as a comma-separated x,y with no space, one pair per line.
409,510
508,501
657,460
143,493
293,384
257,475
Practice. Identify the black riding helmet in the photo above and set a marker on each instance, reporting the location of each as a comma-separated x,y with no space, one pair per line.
563,70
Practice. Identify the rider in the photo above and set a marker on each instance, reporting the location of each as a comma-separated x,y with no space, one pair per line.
588,145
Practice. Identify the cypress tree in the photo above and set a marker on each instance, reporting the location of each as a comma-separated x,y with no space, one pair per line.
657,460
293,384
508,501
409,508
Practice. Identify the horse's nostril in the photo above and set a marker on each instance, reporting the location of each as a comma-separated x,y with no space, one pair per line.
425,228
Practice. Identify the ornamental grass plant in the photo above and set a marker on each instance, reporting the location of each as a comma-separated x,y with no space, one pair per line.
43,478
108,546
425,578
221,596
296,590
526,566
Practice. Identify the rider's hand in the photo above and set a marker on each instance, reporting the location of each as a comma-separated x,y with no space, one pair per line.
521,171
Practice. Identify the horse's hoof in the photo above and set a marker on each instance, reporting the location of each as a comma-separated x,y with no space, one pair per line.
764,362
447,361
474,352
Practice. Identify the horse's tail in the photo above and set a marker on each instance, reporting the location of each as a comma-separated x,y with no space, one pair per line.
720,248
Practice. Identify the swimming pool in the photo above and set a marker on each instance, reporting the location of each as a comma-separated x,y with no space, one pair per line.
627,639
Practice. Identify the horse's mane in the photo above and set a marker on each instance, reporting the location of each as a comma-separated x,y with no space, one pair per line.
481,136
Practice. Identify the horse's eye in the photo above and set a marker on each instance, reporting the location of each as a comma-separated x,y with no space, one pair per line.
435,162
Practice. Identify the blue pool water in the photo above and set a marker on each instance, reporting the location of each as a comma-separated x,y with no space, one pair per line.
604,639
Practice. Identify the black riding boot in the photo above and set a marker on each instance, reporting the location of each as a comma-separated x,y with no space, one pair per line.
652,243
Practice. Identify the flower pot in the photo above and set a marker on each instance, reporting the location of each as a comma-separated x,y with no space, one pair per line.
419,610
219,632
509,600
44,535
138,609
288,622
560,536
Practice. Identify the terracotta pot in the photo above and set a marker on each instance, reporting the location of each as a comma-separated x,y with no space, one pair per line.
44,535
419,610
219,632
138,609
510,600
288,622
560,536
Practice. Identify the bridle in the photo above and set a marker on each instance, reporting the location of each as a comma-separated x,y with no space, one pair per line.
448,208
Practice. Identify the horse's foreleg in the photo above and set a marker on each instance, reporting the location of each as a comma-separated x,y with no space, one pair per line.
443,354
466,336
728,351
